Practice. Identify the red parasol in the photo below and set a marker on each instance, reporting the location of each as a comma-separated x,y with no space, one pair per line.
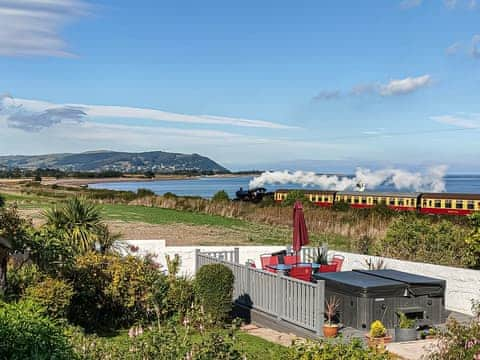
300,233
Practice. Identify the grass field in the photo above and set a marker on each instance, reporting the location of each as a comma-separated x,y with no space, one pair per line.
252,232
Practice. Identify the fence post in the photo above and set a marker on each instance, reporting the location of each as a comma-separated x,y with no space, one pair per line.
319,306
248,291
197,260
280,295
236,255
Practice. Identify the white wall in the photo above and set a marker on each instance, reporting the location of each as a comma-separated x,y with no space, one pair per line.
462,285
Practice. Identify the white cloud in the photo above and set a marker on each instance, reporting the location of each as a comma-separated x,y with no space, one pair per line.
33,115
224,146
327,95
466,121
453,49
405,86
451,4
408,4
32,27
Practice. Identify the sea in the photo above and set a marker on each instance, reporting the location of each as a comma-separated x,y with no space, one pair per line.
207,186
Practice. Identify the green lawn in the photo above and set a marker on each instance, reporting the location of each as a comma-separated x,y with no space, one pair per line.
254,347
255,233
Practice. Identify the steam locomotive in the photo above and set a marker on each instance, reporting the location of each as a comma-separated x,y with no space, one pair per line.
253,195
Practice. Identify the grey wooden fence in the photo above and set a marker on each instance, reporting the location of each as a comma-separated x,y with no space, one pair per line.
287,299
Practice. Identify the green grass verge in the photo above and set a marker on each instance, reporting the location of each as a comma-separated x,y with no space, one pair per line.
254,233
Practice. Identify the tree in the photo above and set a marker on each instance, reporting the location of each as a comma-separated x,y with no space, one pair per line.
220,196
79,222
473,240
2,201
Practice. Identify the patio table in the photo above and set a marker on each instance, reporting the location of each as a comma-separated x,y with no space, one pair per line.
284,269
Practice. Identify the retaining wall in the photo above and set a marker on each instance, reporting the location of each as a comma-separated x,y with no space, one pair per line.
463,285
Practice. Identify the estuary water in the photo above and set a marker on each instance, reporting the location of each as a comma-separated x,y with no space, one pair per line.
208,186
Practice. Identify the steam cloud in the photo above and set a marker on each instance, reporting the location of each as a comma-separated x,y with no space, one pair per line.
431,180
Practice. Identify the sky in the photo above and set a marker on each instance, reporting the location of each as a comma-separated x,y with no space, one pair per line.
310,85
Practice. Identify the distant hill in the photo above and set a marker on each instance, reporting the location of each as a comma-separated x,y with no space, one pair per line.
156,161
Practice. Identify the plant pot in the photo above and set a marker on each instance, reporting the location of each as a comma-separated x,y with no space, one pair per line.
379,342
330,331
405,334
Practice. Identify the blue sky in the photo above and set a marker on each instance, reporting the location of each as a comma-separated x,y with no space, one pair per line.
320,84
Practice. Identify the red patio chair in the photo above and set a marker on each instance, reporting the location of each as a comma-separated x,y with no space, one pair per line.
328,268
338,260
267,260
291,259
303,272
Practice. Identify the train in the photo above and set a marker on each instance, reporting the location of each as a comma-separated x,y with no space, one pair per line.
253,195
426,203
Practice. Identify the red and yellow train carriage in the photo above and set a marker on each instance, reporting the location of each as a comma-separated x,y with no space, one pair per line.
323,198
449,203
365,199
427,203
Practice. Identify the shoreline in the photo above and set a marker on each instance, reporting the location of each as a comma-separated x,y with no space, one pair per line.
78,182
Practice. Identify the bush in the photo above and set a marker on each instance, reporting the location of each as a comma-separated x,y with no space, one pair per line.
2,201
220,196
19,278
213,287
418,239
294,196
26,333
52,294
473,240
377,329
112,291
144,192
340,206
333,349
458,341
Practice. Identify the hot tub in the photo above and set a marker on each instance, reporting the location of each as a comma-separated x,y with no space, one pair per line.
368,295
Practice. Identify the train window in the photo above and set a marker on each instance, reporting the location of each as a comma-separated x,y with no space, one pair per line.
364,200
448,204
392,202
375,201
430,203
412,202
356,199
424,203
459,204
400,202
438,203
470,205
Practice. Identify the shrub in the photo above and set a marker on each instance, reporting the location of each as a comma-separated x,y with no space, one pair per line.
473,240
26,333
111,290
333,349
213,287
295,195
19,278
377,329
13,227
2,201
220,196
52,294
419,239
141,192
170,195
458,341
340,206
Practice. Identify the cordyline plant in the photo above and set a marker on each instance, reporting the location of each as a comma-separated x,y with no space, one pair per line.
331,307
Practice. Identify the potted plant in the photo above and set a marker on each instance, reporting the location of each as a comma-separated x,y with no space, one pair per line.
431,333
330,329
378,335
406,329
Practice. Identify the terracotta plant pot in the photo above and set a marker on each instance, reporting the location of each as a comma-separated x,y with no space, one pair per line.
330,331
378,342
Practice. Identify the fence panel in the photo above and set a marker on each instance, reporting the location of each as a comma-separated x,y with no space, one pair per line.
297,302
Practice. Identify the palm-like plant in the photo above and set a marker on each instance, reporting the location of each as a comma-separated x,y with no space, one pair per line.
78,221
